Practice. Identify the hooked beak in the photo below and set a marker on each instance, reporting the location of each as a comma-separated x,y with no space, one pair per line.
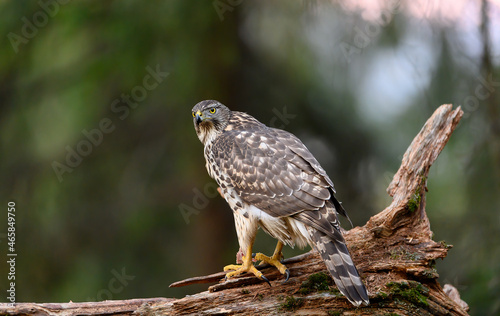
198,117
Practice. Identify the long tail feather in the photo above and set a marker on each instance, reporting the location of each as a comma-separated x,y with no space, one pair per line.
339,263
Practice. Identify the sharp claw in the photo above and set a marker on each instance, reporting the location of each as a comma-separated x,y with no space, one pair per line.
265,279
287,273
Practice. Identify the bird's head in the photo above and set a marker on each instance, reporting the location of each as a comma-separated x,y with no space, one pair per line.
210,117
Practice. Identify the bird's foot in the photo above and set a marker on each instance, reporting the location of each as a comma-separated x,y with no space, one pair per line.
275,260
247,266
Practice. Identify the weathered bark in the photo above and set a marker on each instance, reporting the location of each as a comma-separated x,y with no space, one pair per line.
394,253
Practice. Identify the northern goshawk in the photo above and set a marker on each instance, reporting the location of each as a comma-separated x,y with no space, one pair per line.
271,180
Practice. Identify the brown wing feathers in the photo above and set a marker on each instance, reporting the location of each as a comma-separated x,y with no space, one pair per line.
272,170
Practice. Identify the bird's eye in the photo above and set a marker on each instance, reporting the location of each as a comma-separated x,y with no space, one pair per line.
193,114
212,110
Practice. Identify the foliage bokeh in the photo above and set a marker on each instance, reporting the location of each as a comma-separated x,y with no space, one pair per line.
354,83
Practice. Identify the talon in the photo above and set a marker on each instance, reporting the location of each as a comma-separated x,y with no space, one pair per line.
287,274
246,266
248,259
275,260
265,279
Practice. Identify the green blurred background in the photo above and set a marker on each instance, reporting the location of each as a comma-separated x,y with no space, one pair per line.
137,211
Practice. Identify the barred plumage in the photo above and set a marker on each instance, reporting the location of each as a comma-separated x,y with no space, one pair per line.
271,180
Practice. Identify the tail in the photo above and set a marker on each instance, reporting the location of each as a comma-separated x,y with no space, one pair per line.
339,263
324,232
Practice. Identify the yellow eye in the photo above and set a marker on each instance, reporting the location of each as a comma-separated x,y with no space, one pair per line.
212,110
193,114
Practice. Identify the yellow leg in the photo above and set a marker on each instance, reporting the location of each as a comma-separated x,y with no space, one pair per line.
247,266
275,260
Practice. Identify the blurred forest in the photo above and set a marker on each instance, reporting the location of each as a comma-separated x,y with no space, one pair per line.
99,153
